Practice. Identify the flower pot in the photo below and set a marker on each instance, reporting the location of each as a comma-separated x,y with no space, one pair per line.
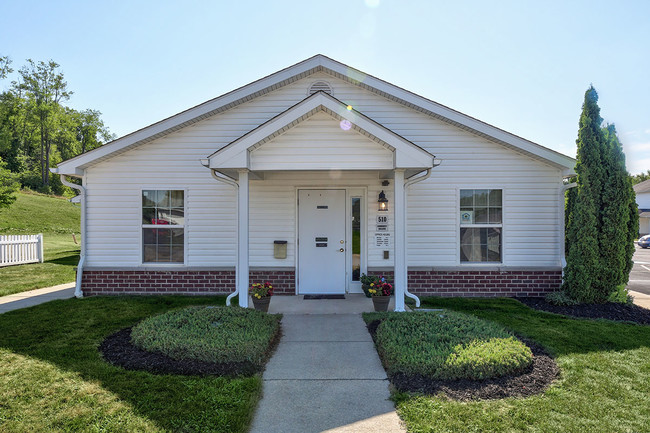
262,304
381,302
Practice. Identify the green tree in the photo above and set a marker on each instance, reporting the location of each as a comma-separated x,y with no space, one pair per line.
44,88
638,178
583,262
8,186
616,247
5,67
602,216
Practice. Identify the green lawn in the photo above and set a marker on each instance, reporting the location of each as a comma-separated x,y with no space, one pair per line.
52,377
57,219
604,383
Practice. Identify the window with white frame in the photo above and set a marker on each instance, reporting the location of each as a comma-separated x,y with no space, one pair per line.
481,225
163,226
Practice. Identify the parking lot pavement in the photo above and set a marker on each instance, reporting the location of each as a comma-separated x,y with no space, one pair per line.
640,275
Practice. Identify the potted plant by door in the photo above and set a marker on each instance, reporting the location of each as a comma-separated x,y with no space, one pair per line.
379,289
261,294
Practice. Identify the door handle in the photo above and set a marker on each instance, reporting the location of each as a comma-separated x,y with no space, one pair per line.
341,250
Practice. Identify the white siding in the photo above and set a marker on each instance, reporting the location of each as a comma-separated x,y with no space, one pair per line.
643,200
531,230
319,143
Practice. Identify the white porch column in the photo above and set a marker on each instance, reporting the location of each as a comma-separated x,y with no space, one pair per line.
400,241
242,239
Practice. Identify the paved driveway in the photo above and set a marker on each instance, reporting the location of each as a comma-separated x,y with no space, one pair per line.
640,275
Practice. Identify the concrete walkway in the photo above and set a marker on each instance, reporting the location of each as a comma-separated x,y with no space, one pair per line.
35,297
641,299
325,375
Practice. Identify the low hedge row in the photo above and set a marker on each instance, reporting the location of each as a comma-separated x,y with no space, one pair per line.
211,334
448,345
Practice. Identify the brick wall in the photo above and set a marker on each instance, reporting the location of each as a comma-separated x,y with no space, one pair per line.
283,282
157,282
481,283
116,282
422,283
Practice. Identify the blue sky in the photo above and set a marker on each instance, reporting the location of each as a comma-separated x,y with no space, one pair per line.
520,65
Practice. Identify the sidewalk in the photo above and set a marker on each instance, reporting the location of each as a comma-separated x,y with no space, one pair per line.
325,376
641,299
35,297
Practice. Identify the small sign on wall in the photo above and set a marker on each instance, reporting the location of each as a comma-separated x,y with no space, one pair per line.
382,223
467,217
382,240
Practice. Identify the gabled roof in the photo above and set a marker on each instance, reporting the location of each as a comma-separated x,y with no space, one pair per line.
642,187
317,63
235,155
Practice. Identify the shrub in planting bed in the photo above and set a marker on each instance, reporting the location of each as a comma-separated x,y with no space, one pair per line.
209,334
449,345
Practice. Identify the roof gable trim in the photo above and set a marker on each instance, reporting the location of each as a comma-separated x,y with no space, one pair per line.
234,155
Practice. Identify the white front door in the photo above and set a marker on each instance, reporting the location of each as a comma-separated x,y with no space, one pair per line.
321,241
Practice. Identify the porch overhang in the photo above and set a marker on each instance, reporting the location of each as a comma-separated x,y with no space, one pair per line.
389,150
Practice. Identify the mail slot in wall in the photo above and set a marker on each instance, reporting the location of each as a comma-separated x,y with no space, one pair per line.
321,242
279,249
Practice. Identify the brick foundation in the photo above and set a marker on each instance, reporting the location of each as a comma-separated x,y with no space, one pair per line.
422,283
479,283
107,282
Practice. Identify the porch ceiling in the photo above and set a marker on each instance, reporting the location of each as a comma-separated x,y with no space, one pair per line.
320,133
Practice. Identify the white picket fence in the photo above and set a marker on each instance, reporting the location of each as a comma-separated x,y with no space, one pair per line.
20,249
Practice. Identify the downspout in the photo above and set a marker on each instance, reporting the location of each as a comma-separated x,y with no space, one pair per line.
82,256
563,190
235,185
408,183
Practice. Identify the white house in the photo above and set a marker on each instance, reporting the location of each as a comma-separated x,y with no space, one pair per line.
312,176
642,191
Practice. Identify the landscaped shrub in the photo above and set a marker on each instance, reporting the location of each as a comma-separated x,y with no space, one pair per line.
560,298
621,295
212,334
449,345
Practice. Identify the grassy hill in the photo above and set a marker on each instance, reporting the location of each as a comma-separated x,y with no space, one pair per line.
57,219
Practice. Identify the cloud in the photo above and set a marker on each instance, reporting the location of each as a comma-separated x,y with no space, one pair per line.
636,146
636,166
637,156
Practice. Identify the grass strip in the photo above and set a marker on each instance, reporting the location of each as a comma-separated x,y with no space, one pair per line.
603,388
52,377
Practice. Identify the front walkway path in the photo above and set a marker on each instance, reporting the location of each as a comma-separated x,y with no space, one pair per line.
325,376
35,297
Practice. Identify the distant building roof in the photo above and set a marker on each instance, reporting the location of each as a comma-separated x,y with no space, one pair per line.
642,187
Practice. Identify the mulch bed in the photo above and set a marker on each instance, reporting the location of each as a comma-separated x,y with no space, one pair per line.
118,350
609,311
533,381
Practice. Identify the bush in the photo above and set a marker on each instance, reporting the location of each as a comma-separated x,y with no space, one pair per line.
449,346
212,334
560,298
620,295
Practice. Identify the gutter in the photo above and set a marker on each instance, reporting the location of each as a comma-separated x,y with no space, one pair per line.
413,180
82,256
235,185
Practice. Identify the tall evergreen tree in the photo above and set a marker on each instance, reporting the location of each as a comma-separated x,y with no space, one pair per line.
615,215
583,264
602,216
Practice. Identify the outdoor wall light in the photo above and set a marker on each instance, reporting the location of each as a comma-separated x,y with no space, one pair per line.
382,201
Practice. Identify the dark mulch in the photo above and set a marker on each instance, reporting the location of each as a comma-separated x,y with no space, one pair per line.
533,381
609,311
118,350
